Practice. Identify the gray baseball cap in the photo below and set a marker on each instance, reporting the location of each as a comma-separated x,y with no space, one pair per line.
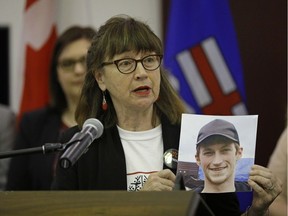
218,127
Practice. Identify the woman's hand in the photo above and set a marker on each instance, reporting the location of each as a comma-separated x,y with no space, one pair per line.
266,187
160,181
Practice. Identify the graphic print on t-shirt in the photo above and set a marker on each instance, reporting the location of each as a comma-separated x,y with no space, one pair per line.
137,183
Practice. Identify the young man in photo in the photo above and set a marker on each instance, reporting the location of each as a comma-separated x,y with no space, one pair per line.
217,152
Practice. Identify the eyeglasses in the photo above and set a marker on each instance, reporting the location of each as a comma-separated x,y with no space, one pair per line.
69,64
128,65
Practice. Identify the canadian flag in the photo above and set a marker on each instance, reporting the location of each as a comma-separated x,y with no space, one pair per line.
39,36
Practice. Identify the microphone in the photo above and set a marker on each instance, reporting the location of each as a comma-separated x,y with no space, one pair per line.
79,143
170,158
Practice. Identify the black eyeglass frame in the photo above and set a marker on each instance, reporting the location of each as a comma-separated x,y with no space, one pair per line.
136,63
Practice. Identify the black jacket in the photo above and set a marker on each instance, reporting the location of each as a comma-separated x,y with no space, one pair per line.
103,166
34,171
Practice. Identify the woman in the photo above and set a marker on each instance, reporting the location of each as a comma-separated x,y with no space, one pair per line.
132,103
128,91
68,69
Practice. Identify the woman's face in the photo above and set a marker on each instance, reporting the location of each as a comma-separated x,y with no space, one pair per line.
136,91
71,68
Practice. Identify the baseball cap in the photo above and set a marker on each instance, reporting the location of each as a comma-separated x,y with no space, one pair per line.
218,127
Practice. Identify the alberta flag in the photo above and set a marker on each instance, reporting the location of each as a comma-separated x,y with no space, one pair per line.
202,55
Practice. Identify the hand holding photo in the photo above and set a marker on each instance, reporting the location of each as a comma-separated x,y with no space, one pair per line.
216,152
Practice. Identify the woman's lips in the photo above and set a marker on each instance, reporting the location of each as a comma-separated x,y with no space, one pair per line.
142,90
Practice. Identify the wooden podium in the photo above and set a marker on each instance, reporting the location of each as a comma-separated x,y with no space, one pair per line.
97,203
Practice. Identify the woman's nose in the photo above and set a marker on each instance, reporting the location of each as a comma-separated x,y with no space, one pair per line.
79,68
140,71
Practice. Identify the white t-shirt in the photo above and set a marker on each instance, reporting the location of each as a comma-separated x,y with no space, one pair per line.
143,154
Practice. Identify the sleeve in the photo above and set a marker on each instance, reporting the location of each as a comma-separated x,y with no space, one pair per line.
7,133
278,162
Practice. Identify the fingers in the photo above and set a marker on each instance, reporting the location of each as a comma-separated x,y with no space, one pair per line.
167,174
266,187
261,178
160,181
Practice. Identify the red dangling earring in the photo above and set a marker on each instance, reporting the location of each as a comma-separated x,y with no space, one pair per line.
104,103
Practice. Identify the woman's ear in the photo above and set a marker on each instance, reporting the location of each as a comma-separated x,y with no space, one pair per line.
100,79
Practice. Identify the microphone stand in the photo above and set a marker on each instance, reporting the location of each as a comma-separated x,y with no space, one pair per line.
44,149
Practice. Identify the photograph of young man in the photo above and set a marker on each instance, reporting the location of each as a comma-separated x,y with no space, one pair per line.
217,151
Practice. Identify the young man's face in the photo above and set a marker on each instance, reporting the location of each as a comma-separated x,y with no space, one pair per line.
218,161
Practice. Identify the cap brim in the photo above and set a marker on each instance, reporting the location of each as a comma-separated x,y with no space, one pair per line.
215,134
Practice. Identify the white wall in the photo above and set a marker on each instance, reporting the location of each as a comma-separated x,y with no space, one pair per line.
11,12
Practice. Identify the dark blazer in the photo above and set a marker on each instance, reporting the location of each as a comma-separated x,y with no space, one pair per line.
103,166
34,171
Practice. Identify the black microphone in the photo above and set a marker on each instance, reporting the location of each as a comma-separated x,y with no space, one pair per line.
92,129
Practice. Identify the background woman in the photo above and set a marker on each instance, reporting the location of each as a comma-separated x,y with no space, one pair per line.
68,69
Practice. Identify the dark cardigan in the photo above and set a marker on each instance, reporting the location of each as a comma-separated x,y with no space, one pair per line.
103,166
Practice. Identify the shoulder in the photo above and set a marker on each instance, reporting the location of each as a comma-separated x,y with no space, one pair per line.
279,154
282,142
39,119
5,110
170,134
7,123
6,115
39,115
42,112
168,127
